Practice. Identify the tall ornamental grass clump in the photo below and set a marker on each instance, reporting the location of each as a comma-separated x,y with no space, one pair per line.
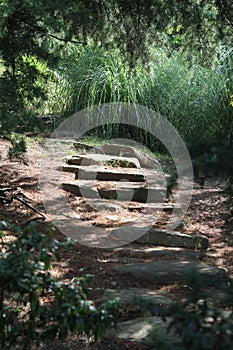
195,98
93,76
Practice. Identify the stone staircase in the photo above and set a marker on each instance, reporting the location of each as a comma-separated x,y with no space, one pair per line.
120,179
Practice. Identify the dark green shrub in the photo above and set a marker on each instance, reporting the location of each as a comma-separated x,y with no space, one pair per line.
18,147
199,322
212,159
23,94
25,318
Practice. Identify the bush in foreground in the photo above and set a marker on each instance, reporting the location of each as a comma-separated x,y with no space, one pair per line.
26,318
199,322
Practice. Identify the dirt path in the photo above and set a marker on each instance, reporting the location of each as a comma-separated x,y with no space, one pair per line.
210,213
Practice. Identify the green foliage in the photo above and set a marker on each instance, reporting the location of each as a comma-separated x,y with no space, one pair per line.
93,76
202,326
23,94
212,159
196,98
18,147
32,30
26,318
199,323
41,28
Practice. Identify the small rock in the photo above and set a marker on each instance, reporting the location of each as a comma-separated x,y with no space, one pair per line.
106,206
83,146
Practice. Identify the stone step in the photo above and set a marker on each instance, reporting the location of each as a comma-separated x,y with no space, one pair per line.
173,271
126,191
158,301
147,297
174,239
81,189
139,329
148,206
145,160
114,205
105,174
221,296
160,251
160,237
107,160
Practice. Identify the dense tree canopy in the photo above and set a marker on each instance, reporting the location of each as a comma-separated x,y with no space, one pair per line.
30,27
38,30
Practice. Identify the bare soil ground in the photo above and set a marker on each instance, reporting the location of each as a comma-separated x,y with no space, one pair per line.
210,213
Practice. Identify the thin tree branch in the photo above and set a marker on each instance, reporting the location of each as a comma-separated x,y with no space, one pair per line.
65,40
29,205
35,218
15,196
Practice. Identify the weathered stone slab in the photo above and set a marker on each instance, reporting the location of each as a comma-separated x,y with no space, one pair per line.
171,271
136,206
128,151
138,330
98,159
221,296
84,161
126,191
136,295
122,151
174,239
105,174
171,252
126,185
160,237
80,190
109,206
144,206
